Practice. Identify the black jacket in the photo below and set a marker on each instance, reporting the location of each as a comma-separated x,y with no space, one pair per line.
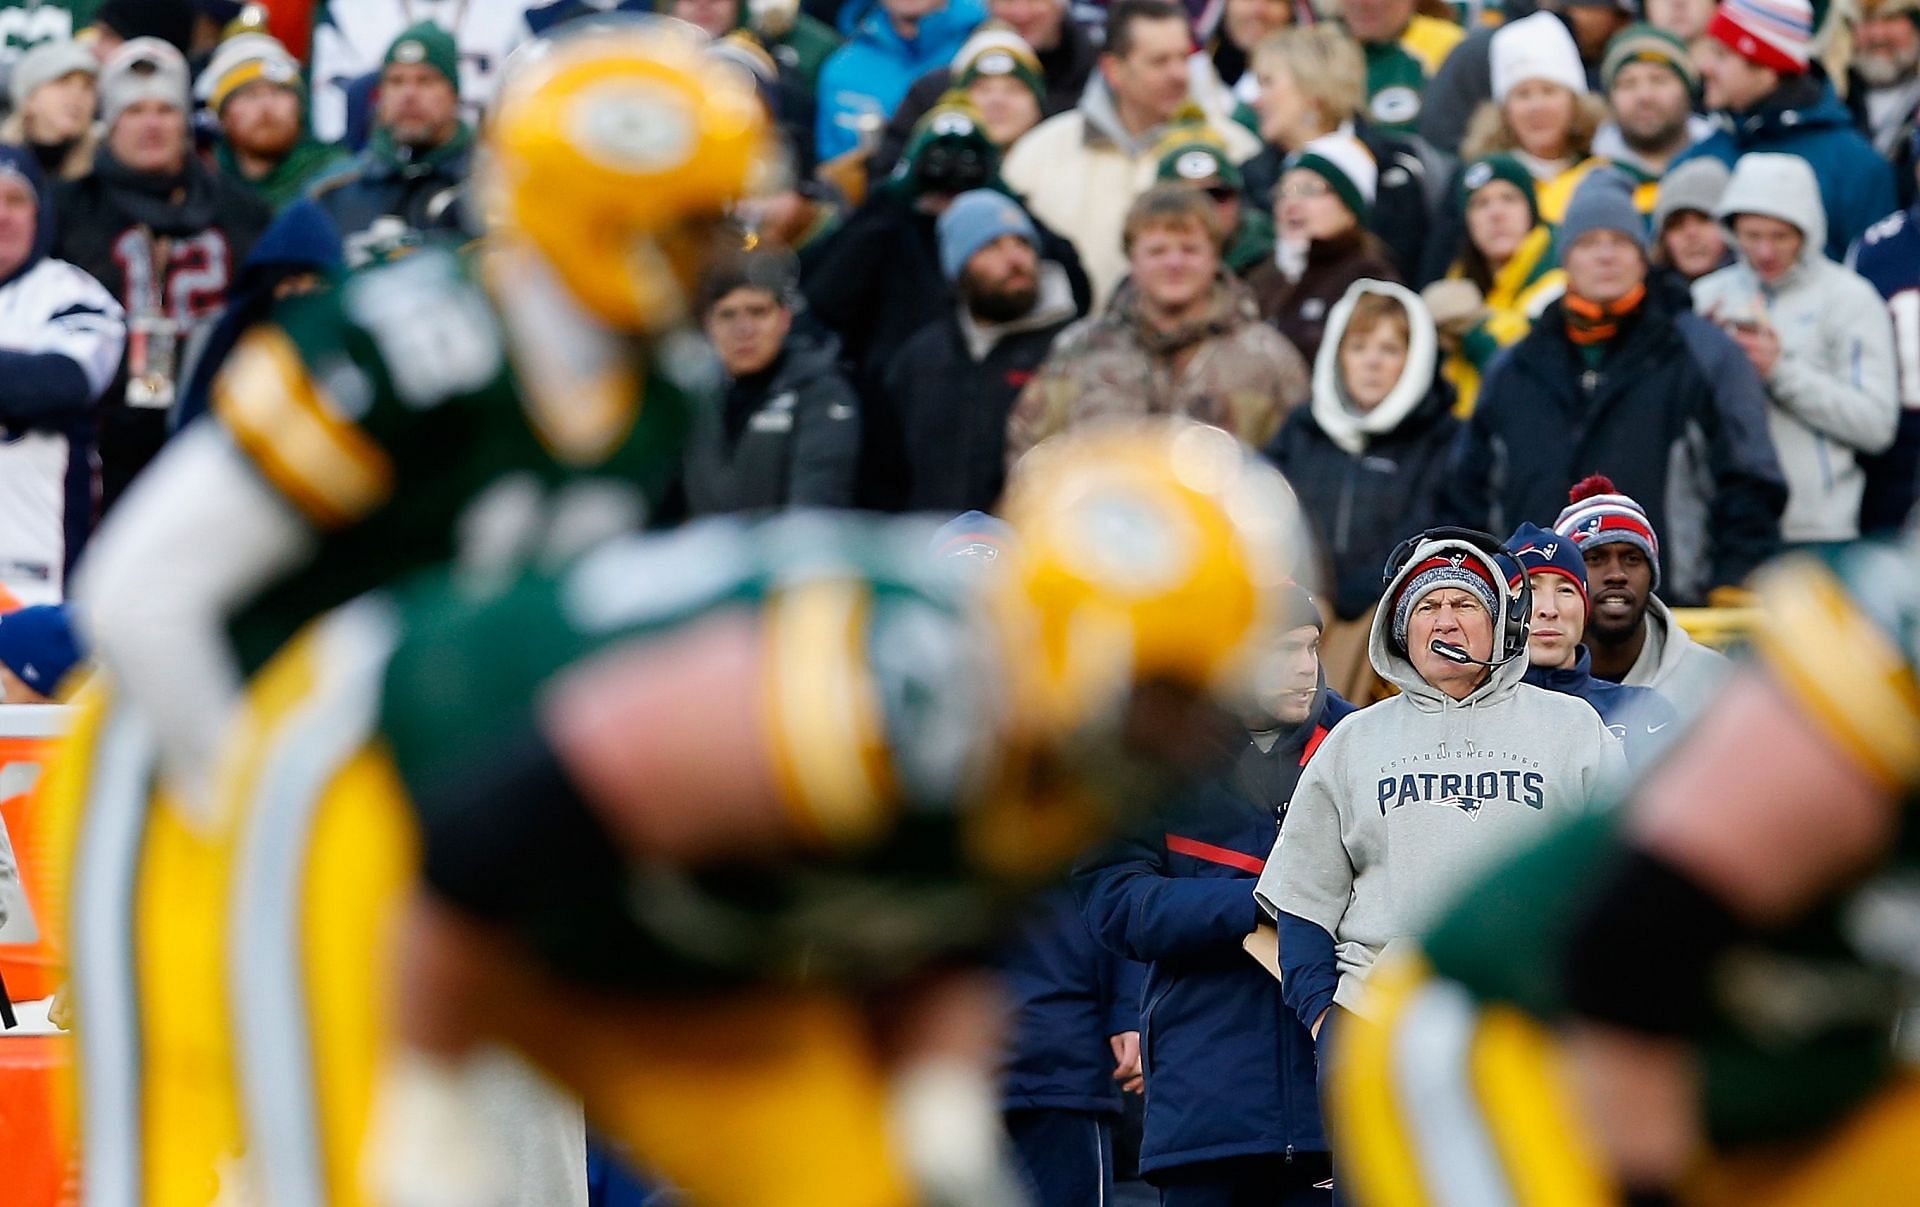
1067,68
1674,415
188,236
1399,206
785,437
877,280
936,435
1230,1069
1363,504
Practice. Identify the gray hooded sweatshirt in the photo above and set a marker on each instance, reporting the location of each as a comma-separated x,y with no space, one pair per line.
1832,389
1675,665
1406,800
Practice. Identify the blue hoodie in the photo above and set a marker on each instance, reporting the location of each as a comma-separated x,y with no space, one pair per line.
1805,118
872,72
1639,716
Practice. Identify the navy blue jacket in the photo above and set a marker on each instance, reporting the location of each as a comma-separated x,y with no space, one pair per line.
1638,716
1889,256
1069,995
1230,1071
1675,416
1803,117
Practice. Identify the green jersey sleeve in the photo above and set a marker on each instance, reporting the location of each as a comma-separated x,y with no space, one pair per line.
334,396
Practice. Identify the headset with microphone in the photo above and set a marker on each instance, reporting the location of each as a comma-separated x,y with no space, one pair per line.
1517,614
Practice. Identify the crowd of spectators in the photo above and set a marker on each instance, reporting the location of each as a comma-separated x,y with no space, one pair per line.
1632,284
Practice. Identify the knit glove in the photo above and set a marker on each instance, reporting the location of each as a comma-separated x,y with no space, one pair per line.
1457,306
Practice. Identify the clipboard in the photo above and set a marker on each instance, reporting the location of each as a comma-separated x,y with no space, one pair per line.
1263,945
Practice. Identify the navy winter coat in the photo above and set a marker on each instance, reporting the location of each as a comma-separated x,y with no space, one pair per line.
1803,117
1674,415
1230,1071
1069,995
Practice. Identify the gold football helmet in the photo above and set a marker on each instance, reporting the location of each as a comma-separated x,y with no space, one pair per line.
615,150
1147,551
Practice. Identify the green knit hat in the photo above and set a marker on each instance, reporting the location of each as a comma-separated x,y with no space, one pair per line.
1484,171
1189,155
1649,44
996,50
954,124
425,42
1344,162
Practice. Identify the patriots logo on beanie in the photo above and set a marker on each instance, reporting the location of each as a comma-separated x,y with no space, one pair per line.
1455,568
1598,514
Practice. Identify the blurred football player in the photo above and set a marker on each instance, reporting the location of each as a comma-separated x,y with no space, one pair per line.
713,825
483,411
1693,1001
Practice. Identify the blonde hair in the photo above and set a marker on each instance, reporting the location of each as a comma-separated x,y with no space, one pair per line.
1488,132
1326,65
1172,205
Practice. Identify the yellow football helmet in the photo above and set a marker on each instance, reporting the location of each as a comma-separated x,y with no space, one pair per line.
615,150
1151,550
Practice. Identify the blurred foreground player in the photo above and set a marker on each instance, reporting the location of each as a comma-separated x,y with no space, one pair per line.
485,411
1694,1000
713,825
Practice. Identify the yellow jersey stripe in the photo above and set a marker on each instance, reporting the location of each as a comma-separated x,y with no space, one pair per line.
1370,1132
1530,1115
824,718
328,468
1841,667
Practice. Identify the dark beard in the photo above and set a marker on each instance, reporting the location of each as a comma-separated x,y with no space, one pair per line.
991,305
1668,138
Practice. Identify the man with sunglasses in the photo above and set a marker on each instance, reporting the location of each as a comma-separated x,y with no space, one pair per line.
1406,799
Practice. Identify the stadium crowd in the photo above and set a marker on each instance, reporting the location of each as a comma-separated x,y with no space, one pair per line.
1557,317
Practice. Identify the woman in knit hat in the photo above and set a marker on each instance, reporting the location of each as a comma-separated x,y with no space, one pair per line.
1322,246
1541,111
1505,275
1002,76
55,95
1312,80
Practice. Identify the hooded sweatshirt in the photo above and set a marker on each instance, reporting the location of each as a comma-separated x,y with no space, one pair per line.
1368,479
61,336
1831,393
1406,800
1672,663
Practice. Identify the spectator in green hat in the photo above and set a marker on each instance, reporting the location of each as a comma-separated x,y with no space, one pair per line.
413,169
1191,156
1504,275
1651,84
1002,76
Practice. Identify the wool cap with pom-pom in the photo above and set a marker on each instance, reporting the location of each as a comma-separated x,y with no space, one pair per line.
1598,514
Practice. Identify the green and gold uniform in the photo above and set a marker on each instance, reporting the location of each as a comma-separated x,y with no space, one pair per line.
415,416
1454,1090
888,728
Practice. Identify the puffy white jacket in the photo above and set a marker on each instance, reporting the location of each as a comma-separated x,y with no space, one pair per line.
1832,391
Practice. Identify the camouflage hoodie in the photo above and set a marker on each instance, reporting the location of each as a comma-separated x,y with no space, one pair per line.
1226,368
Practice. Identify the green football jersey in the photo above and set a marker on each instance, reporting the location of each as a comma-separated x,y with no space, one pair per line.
414,421
1804,1016
883,703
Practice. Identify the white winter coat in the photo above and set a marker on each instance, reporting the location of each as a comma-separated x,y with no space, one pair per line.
1832,391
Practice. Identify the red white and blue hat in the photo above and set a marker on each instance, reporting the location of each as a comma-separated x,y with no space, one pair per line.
1767,33
1599,515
